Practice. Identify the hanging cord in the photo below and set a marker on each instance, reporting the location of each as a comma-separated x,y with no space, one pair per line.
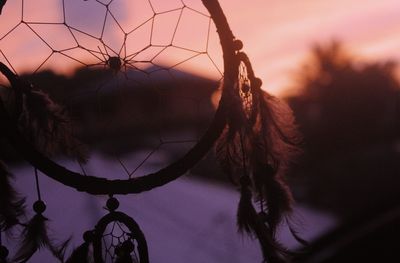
35,235
243,155
37,185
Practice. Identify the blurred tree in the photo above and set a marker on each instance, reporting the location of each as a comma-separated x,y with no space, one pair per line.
348,112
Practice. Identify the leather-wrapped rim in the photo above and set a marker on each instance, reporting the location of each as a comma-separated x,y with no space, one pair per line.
101,186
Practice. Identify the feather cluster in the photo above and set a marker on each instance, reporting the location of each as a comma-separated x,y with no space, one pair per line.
34,238
251,222
43,122
258,143
47,126
12,207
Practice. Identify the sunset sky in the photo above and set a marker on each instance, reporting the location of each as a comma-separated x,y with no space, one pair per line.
277,34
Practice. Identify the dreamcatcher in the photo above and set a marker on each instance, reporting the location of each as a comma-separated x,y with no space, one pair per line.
253,132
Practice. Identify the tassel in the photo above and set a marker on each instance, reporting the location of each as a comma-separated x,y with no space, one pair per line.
48,127
250,222
81,253
260,141
11,206
274,145
35,237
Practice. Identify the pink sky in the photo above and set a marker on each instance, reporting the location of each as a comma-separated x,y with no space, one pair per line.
277,34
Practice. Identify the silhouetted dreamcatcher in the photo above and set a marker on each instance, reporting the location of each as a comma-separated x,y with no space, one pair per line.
128,45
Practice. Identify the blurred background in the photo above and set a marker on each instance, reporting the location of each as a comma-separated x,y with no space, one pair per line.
334,62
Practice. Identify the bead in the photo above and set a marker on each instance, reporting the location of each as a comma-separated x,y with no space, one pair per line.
88,236
125,249
237,44
257,82
39,207
245,88
114,63
128,246
112,204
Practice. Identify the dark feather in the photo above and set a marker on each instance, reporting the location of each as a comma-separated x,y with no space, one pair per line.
295,234
274,146
245,213
48,127
260,142
58,251
273,193
44,123
11,205
35,237
228,155
223,153
80,254
278,130
228,147
250,222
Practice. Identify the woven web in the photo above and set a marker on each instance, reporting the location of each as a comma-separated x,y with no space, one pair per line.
114,236
244,90
152,58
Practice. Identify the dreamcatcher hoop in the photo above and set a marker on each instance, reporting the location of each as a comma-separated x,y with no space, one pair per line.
254,138
101,186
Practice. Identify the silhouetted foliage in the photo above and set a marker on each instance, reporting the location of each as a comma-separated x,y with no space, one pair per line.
348,112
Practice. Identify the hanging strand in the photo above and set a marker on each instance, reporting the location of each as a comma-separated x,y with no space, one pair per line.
37,185
243,154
